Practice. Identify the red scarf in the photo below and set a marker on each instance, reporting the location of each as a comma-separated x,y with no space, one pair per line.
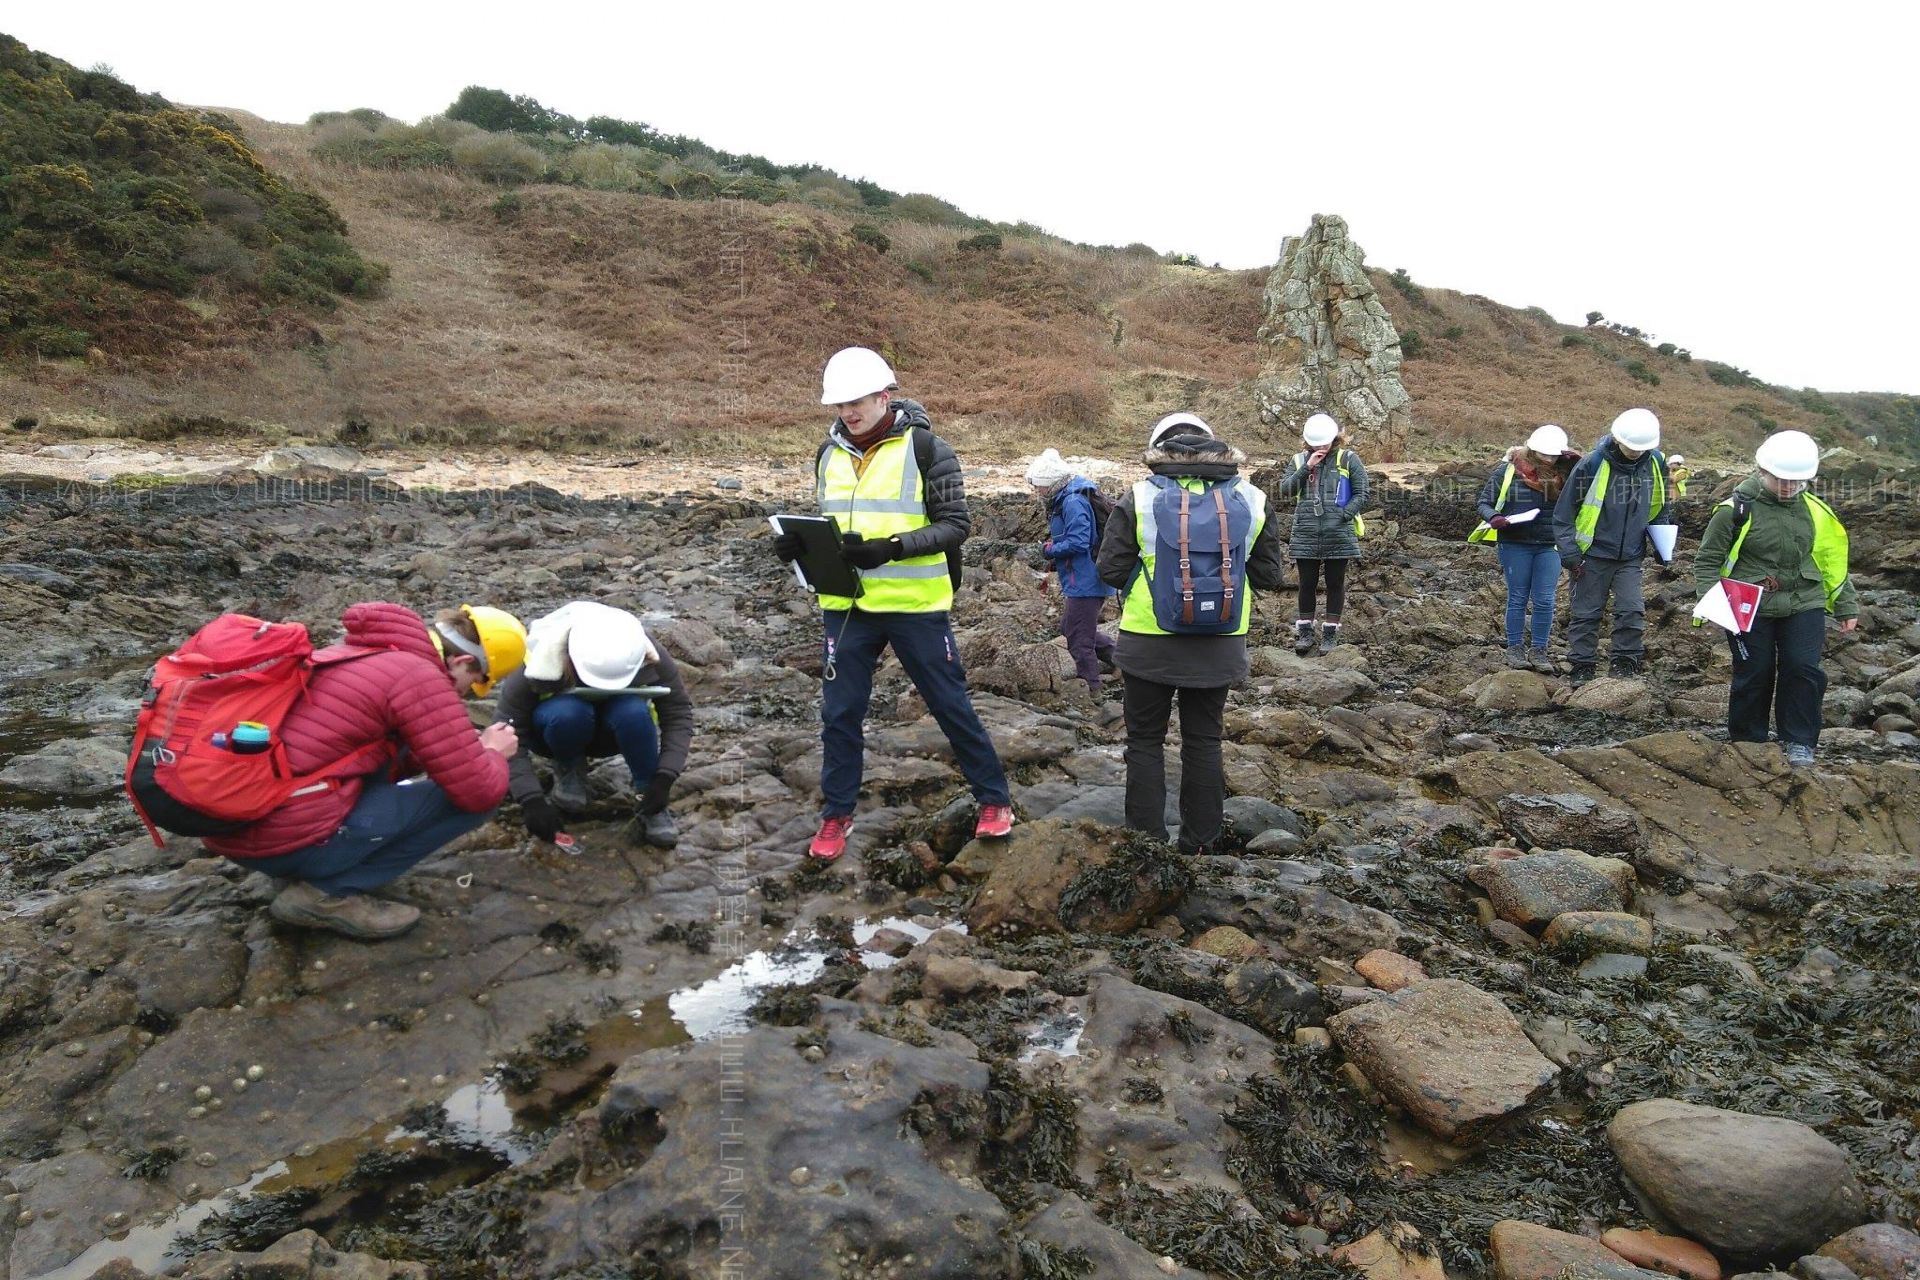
873,437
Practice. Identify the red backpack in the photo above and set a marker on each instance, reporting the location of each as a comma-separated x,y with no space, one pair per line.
234,669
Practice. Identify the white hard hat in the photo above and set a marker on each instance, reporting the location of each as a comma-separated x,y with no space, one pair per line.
1548,439
1637,429
1320,429
1675,459
1048,470
608,647
854,374
1163,428
1790,455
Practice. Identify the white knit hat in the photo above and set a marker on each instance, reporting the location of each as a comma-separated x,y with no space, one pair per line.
1048,470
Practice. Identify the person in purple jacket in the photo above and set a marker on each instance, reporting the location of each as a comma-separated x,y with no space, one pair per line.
1073,536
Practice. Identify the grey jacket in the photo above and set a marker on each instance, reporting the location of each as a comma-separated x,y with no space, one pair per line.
1622,531
948,522
1322,529
1188,662
518,696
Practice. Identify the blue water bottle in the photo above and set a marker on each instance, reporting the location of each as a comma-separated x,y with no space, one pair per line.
250,738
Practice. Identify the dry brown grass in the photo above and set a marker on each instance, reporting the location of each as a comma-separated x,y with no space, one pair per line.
594,320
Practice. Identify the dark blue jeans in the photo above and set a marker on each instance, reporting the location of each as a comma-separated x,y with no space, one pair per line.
392,826
924,644
571,728
1533,577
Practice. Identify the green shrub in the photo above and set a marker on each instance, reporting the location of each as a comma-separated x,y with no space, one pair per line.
920,207
1411,343
1667,348
873,237
1594,317
1639,372
1408,289
985,242
1683,355
495,157
921,269
1573,340
1728,376
1454,332
508,206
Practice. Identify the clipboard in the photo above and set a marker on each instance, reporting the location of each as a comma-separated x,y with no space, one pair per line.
821,567
588,693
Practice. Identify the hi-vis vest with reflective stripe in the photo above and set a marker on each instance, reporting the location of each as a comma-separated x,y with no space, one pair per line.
1136,614
1586,521
889,497
1340,465
1485,532
1829,545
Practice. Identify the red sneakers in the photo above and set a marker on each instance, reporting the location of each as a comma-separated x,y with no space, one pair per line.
830,841
996,820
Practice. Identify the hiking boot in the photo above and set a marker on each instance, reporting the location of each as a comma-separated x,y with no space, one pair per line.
830,841
1517,658
1329,637
996,820
1544,664
569,794
657,829
1799,755
1582,674
1624,669
1303,637
356,915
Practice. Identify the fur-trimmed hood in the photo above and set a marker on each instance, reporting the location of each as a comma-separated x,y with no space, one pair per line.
1200,456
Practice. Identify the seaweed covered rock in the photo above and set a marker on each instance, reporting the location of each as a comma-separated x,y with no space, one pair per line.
1453,1056
1751,1188
1052,876
872,1151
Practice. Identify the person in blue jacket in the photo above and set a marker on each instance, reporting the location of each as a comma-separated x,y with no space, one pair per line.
1072,540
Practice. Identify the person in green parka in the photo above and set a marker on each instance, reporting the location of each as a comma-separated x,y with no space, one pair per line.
1772,532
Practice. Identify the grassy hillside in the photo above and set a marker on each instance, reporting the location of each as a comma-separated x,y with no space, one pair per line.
568,317
118,212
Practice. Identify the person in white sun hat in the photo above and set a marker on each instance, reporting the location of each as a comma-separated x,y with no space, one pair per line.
1601,524
1773,532
590,690
1516,516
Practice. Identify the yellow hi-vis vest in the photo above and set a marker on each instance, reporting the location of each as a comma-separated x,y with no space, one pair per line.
1136,612
889,497
1586,521
1829,545
1485,532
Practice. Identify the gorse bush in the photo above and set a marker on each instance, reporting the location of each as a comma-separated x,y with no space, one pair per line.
1411,343
108,194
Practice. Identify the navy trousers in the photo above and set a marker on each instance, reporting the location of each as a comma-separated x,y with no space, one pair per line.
571,728
924,643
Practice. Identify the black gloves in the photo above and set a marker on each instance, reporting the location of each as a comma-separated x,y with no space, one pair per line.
865,553
787,547
542,819
1576,567
1499,522
654,798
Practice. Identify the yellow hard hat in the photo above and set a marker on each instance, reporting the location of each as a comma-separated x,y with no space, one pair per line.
502,639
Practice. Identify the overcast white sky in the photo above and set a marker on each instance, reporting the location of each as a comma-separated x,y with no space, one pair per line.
1736,178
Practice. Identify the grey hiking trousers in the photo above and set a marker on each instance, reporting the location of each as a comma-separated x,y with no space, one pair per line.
1599,580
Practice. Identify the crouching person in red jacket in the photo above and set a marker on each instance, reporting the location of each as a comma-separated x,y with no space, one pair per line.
391,693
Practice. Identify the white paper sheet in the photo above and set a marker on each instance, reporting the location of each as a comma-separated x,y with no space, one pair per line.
1662,536
1714,607
1531,513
